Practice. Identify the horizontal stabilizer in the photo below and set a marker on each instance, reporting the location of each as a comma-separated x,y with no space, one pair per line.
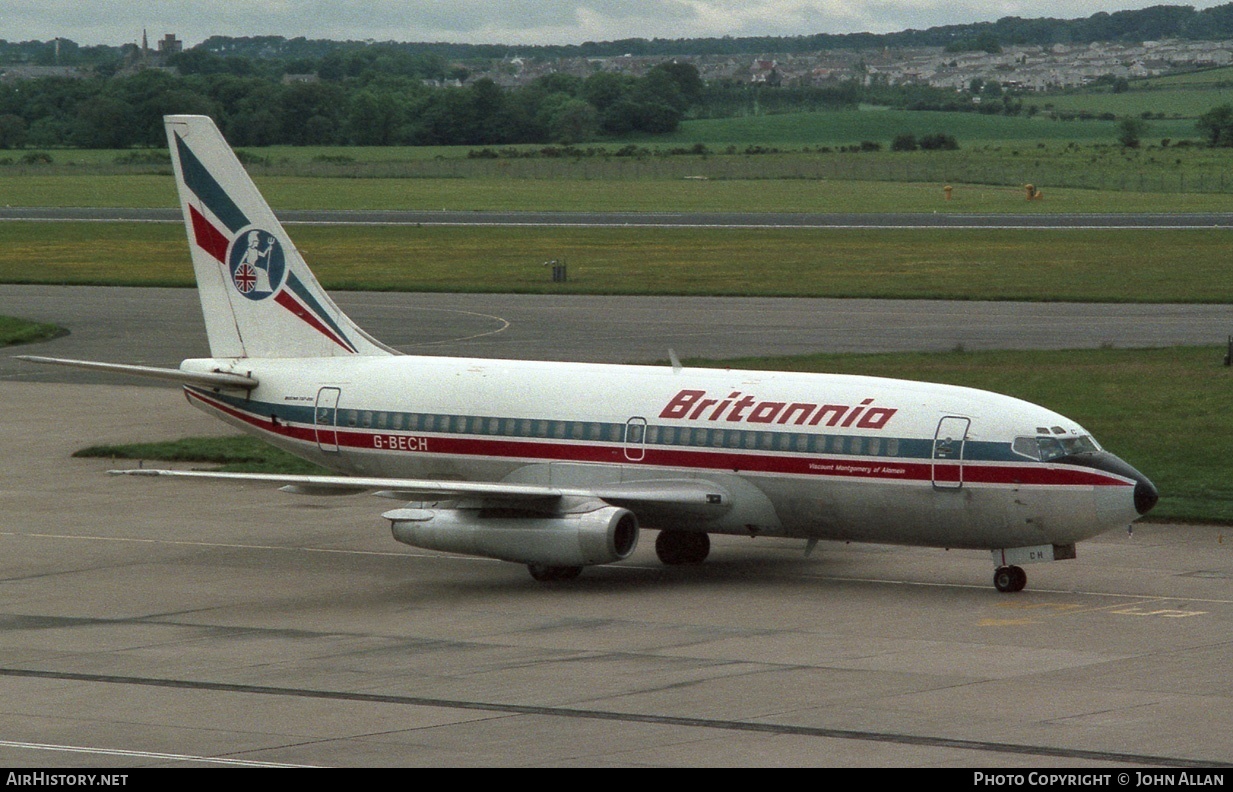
212,379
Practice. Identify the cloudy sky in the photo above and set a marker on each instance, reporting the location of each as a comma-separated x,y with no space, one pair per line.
511,21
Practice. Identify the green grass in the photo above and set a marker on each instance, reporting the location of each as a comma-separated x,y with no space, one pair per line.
1181,103
1160,265
987,179
852,126
1165,411
19,331
1187,96
240,454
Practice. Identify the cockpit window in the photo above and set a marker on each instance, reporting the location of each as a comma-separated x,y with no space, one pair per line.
1026,446
1080,444
1045,448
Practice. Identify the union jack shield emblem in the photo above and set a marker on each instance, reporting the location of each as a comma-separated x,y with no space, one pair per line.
245,278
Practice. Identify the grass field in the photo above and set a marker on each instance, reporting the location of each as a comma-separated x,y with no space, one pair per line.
851,126
1160,265
1184,96
240,454
744,160
651,195
19,331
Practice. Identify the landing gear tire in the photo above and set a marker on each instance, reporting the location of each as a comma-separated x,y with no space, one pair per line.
1009,579
682,547
544,573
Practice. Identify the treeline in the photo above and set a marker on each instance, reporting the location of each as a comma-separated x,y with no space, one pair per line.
374,108
300,54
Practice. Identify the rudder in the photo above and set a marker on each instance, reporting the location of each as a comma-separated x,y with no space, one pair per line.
257,293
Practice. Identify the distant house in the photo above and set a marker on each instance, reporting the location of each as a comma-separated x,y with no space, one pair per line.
19,71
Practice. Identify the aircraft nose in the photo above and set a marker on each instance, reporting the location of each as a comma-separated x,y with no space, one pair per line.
1146,493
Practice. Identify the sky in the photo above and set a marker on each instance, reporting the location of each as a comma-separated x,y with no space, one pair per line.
117,22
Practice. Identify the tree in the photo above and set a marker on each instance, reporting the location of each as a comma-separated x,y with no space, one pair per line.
1130,132
12,131
573,121
1217,125
905,141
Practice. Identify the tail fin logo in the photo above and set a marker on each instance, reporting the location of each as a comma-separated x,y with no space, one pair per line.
257,264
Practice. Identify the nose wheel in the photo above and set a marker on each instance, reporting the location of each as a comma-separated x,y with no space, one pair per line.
1009,578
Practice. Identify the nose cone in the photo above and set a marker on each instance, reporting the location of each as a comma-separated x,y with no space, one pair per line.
1145,493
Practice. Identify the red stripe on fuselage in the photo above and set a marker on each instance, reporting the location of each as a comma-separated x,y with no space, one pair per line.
208,238
883,469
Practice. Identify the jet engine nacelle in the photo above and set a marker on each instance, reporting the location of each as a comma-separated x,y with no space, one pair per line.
601,536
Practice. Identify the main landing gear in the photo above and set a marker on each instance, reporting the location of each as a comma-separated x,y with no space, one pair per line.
682,547
544,573
1009,578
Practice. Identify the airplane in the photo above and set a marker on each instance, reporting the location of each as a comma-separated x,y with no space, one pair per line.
560,465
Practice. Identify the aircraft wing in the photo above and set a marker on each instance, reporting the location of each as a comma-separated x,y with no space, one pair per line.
694,498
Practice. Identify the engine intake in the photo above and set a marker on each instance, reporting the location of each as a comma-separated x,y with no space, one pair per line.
602,536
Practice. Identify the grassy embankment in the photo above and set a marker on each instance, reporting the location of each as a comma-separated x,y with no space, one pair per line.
20,331
1161,265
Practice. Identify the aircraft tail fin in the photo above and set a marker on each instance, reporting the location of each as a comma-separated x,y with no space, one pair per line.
257,293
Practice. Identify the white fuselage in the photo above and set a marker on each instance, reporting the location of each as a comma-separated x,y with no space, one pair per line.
808,455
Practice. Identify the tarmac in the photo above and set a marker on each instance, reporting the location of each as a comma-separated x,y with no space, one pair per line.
150,623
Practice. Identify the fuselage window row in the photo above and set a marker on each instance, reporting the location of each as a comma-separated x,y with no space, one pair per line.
694,437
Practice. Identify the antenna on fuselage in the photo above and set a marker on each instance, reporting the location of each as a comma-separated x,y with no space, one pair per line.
674,360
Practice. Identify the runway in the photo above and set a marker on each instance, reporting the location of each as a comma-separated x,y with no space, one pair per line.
171,623
161,327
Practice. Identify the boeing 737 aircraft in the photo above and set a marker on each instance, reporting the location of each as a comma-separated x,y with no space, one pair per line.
560,465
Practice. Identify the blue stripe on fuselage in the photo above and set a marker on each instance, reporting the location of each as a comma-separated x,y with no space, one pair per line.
664,435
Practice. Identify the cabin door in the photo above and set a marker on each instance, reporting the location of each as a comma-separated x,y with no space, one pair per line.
635,439
948,446
326,420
